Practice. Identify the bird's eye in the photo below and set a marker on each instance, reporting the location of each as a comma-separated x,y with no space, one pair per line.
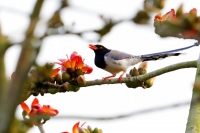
100,47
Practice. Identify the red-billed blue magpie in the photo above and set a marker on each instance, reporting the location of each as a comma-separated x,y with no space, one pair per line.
114,61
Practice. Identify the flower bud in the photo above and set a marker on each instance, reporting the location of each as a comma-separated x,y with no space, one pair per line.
89,128
96,130
134,72
52,79
78,72
65,77
73,87
70,70
143,65
132,85
81,80
24,113
142,71
45,117
65,85
52,90
58,79
82,130
100,131
148,83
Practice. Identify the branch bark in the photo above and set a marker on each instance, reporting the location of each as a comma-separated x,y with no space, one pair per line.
193,123
136,79
11,95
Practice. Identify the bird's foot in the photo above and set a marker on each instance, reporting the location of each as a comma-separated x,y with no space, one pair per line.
121,76
105,78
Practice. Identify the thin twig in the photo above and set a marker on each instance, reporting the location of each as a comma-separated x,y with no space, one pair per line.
40,127
136,113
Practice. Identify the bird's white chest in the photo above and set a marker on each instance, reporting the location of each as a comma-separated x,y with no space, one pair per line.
116,66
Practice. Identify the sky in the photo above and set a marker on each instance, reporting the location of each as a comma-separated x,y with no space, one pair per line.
107,100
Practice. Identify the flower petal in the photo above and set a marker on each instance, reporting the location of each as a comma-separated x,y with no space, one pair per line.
193,11
73,54
87,69
35,101
75,128
62,60
79,62
25,107
167,16
50,111
67,64
73,62
33,112
54,72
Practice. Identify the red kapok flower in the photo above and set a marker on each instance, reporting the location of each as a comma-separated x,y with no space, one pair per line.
168,16
49,111
75,62
192,11
75,128
33,110
36,108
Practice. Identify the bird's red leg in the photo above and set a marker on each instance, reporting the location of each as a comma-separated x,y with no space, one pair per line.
120,77
105,78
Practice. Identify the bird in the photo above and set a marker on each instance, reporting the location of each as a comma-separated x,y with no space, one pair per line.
114,61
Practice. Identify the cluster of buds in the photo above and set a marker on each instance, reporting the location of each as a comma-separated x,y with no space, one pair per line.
142,69
71,76
37,114
42,74
79,129
178,24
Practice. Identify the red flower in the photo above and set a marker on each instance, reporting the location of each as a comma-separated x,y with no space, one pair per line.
49,111
190,33
192,11
36,108
75,128
171,15
54,72
168,16
75,62
182,23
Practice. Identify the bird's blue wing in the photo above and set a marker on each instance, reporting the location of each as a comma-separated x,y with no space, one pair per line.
117,55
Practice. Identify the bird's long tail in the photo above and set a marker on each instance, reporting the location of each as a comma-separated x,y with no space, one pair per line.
156,56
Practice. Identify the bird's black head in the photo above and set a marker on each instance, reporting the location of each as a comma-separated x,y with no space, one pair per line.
99,51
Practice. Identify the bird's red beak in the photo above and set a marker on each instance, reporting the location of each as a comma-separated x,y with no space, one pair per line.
92,47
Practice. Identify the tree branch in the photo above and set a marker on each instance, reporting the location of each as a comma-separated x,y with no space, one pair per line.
135,113
136,79
11,95
40,127
194,115
140,78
